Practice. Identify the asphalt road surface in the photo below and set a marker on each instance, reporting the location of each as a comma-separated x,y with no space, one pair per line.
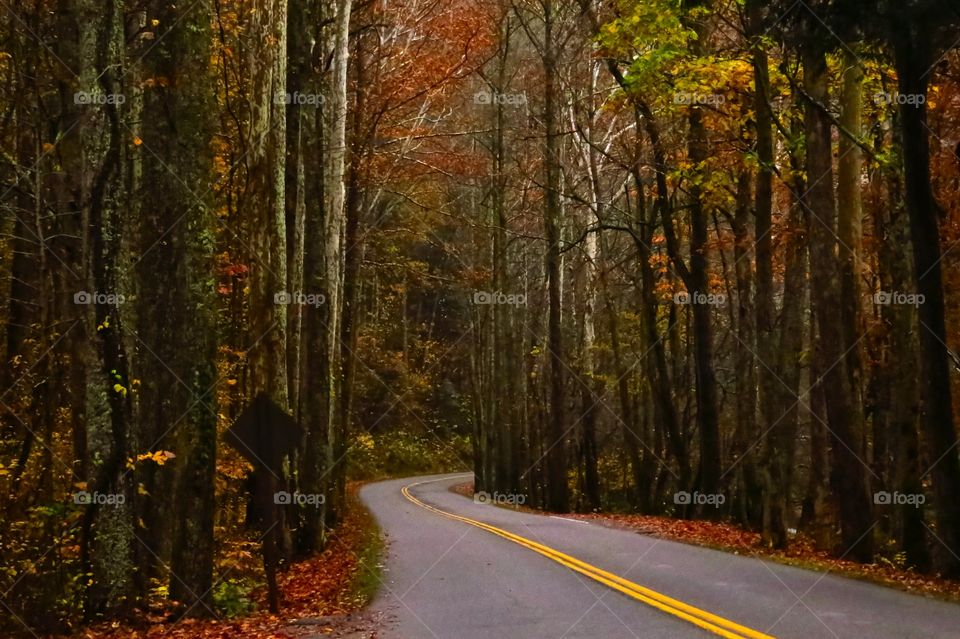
480,571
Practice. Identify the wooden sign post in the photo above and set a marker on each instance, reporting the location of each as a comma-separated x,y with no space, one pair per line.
264,434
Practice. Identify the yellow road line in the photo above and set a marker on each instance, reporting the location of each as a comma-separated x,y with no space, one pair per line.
701,618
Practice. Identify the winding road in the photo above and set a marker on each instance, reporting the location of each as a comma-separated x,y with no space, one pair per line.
462,570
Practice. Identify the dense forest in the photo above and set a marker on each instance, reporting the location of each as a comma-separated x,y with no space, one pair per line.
692,258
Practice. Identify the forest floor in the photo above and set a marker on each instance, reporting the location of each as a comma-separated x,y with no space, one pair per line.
320,597
802,553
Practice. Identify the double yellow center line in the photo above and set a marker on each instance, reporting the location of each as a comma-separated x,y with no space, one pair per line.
701,618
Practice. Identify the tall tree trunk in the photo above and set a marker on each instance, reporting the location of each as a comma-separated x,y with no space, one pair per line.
178,158
849,219
697,283
333,229
108,533
266,203
555,432
774,529
896,414
914,57
844,421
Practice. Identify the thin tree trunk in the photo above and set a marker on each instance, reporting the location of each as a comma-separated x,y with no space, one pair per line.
334,222
557,490
746,381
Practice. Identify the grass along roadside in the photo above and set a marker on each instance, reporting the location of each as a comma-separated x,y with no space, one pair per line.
369,574
733,539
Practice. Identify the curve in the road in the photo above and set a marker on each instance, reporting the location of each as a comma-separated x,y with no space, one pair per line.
701,618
